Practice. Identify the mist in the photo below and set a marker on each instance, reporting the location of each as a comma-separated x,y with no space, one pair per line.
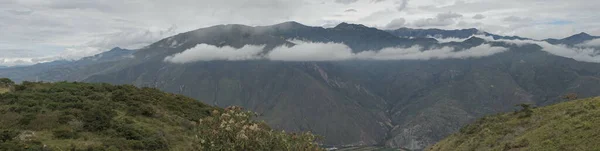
204,52
590,43
418,53
579,54
448,39
311,51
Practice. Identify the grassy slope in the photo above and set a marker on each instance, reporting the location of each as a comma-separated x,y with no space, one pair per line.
573,125
77,115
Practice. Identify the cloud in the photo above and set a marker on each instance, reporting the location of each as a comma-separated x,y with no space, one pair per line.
590,43
448,39
130,39
396,23
517,19
417,53
478,16
309,51
401,5
73,53
350,10
204,52
579,54
442,19
346,1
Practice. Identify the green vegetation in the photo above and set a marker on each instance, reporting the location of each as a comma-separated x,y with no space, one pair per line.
6,85
82,116
572,125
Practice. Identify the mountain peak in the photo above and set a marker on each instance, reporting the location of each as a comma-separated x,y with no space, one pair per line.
117,49
345,25
581,35
289,25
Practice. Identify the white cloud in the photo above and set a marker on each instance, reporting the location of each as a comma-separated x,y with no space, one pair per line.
204,52
308,51
590,43
73,53
448,39
417,53
579,54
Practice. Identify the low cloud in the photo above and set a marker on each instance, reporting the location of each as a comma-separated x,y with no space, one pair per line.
579,54
417,53
204,52
448,39
71,54
309,51
591,43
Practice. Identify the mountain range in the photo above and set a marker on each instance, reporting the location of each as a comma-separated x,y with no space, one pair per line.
388,99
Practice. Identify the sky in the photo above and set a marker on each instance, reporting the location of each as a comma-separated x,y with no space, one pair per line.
34,31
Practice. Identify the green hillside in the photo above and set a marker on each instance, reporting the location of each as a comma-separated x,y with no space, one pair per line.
82,116
573,125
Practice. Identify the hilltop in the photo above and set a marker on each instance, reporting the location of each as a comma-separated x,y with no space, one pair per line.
82,116
565,126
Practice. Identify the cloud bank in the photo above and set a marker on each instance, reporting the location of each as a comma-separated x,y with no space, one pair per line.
448,39
591,43
204,52
417,53
309,51
579,54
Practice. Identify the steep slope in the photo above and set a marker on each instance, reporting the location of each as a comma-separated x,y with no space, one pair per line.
291,96
565,126
79,116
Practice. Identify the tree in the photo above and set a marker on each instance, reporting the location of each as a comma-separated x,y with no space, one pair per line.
570,96
526,110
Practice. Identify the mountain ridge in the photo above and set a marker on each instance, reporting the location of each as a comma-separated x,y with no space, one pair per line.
399,103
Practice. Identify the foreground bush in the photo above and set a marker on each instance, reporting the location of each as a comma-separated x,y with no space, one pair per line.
234,129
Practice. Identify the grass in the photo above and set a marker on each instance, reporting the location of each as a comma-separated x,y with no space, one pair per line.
573,125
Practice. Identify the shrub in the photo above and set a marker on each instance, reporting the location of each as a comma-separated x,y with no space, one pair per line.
525,110
233,129
98,118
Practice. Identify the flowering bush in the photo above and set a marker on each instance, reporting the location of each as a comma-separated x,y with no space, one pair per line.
234,129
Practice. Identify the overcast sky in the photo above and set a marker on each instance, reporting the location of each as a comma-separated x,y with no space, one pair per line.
34,30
